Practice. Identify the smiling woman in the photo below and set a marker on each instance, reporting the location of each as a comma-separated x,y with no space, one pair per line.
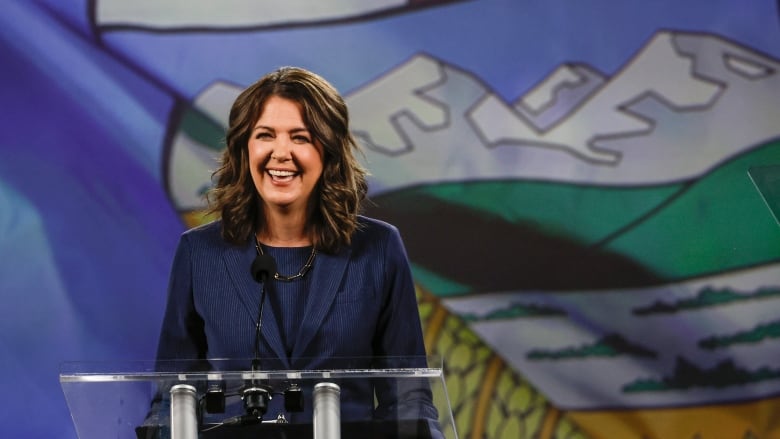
289,187
291,120
286,164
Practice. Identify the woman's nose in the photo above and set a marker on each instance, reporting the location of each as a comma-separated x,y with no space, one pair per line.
282,150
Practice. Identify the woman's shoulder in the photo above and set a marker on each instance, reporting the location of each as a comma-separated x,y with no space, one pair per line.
205,229
205,233
373,226
374,232
377,237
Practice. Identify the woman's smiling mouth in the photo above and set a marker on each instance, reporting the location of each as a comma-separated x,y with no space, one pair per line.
281,175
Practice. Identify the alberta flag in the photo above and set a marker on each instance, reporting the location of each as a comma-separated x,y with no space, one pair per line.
589,192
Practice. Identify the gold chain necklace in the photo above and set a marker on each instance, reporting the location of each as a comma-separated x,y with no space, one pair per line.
302,272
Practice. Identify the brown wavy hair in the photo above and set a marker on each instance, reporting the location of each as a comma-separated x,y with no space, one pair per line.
336,200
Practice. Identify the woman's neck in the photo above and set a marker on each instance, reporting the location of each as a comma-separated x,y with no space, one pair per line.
284,229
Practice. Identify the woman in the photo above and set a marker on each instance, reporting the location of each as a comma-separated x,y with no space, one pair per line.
290,186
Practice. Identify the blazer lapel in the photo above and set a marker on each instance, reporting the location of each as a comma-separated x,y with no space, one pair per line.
238,261
326,274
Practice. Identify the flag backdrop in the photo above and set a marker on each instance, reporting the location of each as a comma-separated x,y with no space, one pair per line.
584,188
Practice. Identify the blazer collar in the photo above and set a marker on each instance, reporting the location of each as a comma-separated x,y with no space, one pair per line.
327,273
238,261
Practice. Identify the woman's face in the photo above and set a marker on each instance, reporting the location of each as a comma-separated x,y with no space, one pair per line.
284,160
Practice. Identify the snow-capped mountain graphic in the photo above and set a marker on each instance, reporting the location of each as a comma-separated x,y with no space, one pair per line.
429,122
559,94
683,93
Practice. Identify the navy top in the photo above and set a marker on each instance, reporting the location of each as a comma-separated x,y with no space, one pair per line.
358,303
289,295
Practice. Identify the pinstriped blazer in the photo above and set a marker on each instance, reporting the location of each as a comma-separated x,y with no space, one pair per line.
361,304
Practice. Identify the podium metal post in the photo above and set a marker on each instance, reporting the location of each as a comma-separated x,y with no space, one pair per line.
327,411
184,412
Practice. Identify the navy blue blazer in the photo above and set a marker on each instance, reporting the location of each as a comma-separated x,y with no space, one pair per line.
362,304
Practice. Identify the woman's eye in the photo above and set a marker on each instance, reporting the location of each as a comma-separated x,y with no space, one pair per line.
263,136
301,139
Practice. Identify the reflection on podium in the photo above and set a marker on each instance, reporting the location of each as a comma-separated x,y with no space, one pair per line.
394,398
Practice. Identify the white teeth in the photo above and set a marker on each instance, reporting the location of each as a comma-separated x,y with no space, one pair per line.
277,173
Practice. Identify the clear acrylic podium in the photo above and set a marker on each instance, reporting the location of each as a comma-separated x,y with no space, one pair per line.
258,399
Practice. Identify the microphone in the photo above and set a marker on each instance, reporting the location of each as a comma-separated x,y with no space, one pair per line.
262,268
256,396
